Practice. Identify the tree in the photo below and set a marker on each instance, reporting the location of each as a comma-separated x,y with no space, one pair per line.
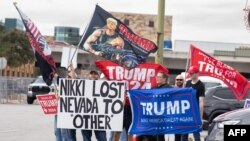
15,47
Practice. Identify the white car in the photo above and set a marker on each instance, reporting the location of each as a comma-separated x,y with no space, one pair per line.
208,81
39,87
211,82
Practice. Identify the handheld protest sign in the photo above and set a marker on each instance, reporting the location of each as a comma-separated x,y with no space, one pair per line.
48,103
247,103
91,104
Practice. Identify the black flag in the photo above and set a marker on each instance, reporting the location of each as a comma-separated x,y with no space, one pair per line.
108,37
41,49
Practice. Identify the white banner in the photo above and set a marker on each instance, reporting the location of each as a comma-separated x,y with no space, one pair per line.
89,104
67,54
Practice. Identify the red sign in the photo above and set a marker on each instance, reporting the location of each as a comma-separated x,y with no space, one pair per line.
209,66
48,103
141,77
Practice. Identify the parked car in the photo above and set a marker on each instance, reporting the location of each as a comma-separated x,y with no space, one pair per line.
38,87
236,117
211,82
219,100
208,81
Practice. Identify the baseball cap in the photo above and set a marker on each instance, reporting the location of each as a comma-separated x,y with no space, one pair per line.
62,71
193,69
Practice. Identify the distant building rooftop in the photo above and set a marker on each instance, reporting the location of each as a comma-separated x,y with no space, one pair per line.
13,23
58,43
208,47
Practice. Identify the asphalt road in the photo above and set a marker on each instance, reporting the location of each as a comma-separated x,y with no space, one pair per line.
25,123
21,122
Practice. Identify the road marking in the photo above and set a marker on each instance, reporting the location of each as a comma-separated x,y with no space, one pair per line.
6,131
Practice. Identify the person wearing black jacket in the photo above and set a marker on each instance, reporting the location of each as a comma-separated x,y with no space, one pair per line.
199,86
162,82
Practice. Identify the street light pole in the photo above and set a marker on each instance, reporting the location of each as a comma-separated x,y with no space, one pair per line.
160,31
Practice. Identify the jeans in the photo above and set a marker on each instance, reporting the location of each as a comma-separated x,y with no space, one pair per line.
100,135
64,134
57,131
180,137
197,137
68,134
160,137
123,135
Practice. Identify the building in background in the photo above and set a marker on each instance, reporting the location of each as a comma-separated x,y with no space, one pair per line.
208,47
1,23
145,25
13,23
67,34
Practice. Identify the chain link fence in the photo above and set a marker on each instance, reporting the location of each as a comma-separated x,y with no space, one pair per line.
14,90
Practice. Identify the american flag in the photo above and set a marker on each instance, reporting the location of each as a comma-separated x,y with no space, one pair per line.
41,49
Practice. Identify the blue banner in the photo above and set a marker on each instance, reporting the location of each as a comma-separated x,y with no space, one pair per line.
164,111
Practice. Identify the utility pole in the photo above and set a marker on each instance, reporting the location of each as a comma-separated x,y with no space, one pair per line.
160,31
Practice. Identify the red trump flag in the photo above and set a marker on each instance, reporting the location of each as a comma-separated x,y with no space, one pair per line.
209,66
141,77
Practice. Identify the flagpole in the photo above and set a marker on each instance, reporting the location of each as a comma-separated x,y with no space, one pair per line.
70,59
187,63
82,37
160,31
72,55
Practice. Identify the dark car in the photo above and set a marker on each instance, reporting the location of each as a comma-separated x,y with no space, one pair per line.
39,87
236,117
219,100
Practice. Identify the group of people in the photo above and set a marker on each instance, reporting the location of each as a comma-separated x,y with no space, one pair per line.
162,82
195,83
106,42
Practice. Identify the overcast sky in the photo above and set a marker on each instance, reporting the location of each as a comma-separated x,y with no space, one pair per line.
199,20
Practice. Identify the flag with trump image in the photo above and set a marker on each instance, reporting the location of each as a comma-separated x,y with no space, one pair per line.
41,49
108,37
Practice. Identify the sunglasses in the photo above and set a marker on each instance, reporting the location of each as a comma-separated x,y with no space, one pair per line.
179,79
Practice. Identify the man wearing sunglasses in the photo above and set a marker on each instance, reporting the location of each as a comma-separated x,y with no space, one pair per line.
179,83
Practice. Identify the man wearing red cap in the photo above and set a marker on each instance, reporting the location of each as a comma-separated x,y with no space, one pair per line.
196,84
